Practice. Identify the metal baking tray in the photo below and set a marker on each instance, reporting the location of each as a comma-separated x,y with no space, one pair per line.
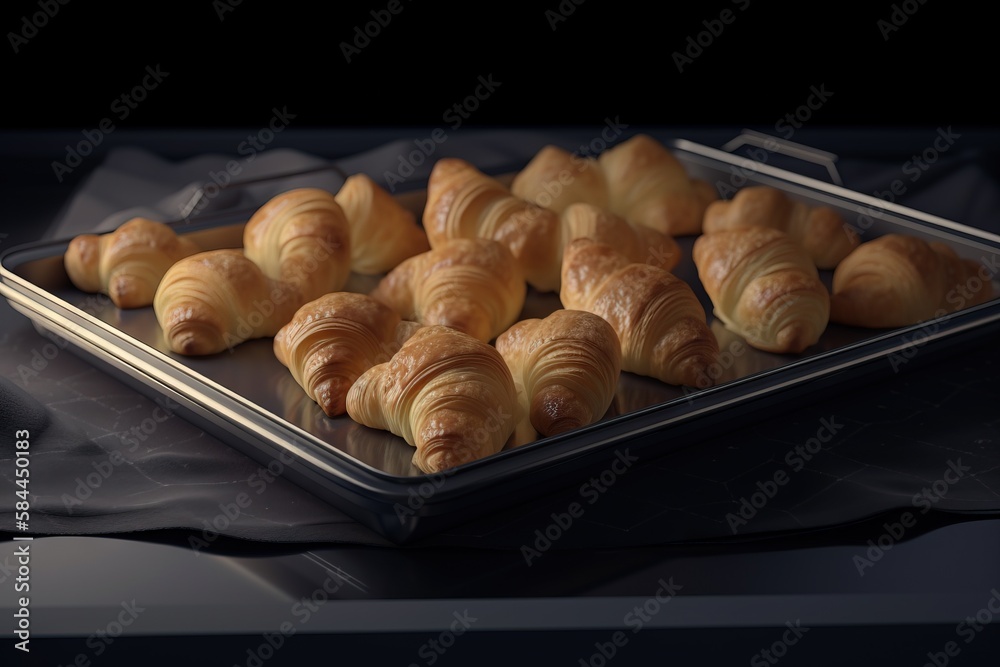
248,399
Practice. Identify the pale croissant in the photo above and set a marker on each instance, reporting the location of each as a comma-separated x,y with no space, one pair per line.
898,280
301,237
128,263
332,340
566,367
473,285
639,179
819,229
764,287
447,394
215,300
383,232
661,325
463,202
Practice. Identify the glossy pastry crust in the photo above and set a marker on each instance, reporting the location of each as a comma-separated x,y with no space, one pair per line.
659,321
566,367
463,202
764,287
447,394
296,248
301,237
473,285
819,229
899,280
638,179
128,263
383,233
332,340
215,300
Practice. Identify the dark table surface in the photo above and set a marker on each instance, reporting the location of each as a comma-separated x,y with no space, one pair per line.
797,598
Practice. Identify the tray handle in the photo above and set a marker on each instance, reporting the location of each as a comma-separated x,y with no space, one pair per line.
785,147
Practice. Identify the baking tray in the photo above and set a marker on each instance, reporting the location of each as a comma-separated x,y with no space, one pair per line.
249,400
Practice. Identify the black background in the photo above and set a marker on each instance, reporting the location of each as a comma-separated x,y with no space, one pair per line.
230,67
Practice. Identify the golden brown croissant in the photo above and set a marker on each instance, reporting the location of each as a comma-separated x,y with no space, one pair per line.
214,300
556,179
636,242
565,366
383,233
473,285
301,237
332,340
463,202
128,263
296,248
764,287
898,280
639,179
819,229
445,393
660,323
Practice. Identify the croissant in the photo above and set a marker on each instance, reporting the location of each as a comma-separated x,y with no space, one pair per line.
473,285
214,300
383,233
566,367
332,340
639,179
635,242
445,393
556,179
463,202
296,248
661,325
128,263
301,237
898,280
764,287
819,229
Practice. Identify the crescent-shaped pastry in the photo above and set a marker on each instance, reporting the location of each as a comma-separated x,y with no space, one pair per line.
383,233
332,340
301,237
819,229
660,323
566,367
638,179
447,394
897,280
763,286
463,202
473,285
128,263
